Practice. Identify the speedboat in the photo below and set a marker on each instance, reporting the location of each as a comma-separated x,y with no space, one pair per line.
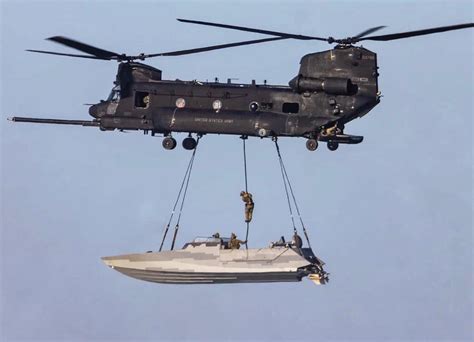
210,260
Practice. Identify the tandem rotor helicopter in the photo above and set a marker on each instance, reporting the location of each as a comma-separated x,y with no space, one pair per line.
332,88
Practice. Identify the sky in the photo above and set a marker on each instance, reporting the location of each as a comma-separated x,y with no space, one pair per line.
391,217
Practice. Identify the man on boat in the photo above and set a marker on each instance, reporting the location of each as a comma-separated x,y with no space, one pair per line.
234,243
297,241
249,205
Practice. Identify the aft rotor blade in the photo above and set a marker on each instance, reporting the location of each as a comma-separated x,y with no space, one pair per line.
92,50
369,31
214,47
401,35
68,54
248,29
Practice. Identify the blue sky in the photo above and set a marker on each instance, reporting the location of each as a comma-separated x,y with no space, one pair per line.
391,217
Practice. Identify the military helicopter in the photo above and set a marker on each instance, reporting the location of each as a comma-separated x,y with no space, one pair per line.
332,88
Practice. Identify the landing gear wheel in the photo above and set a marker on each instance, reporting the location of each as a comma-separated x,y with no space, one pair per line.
169,143
333,145
189,143
312,144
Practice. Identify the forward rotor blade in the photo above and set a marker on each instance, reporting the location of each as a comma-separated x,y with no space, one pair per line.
369,31
68,54
214,47
401,35
92,50
248,29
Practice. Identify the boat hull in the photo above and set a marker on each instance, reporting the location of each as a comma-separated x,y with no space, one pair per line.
164,277
211,263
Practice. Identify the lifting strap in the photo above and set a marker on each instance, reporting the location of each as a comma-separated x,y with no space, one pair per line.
246,186
184,184
286,182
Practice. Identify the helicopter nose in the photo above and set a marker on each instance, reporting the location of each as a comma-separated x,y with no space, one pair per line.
94,111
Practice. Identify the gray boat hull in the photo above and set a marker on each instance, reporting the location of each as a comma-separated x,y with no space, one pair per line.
212,263
208,278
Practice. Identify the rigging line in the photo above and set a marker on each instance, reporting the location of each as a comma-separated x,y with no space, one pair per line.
246,188
177,200
245,165
176,203
286,187
247,236
191,163
294,198
176,228
296,205
285,182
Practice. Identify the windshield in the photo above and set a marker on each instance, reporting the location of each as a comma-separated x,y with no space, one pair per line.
114,95
206,239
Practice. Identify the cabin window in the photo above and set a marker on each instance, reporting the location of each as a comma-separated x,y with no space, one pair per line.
291,107
142,99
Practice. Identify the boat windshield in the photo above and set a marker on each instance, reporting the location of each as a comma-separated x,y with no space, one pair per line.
201,239
114,95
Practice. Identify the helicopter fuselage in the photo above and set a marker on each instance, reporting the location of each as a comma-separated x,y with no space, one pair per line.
332,88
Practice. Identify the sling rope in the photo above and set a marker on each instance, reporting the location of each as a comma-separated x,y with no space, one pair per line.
184,184
287,183
246,186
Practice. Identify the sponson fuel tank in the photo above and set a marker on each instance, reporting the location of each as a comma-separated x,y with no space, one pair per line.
211,261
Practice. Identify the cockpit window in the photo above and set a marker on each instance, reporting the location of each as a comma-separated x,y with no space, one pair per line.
114,95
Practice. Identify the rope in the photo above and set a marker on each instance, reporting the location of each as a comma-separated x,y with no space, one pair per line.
176,228
296,204
246,187
185,181
282,167
286,180
245,164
